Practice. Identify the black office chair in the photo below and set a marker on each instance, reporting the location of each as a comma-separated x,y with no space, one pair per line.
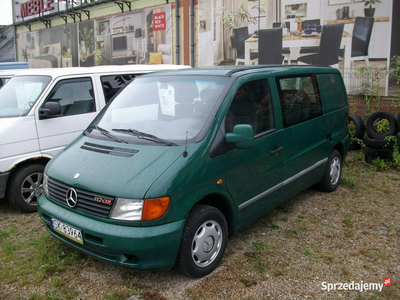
328,53
360,40
242,34
309,49
285,50
270,46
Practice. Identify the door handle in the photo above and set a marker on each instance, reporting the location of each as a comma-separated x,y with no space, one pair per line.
329,138
276,150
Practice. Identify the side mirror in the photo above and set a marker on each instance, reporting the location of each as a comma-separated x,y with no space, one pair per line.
50,109
242,136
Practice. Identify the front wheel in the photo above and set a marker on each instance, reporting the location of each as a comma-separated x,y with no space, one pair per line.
332,173
25,186
203,241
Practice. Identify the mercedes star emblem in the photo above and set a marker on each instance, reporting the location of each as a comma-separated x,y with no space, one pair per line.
71,197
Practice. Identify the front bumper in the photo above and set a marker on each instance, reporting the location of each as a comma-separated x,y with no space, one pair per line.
3,184
149,248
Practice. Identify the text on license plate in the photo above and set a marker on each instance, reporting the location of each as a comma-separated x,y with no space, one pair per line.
67,230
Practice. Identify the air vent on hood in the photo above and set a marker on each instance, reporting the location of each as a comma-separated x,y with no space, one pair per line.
109,150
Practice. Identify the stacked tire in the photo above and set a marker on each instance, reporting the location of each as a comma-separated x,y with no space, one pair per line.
356,131
375,144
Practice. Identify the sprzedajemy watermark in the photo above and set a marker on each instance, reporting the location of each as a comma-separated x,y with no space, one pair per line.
356,286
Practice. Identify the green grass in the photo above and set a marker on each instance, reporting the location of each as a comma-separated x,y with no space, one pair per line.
348,181
259,246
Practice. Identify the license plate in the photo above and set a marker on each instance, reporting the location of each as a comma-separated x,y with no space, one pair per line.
67,230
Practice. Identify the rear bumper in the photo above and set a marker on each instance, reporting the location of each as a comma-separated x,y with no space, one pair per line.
148,248
3,184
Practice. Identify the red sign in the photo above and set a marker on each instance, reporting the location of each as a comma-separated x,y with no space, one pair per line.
33,7
159,22
387,281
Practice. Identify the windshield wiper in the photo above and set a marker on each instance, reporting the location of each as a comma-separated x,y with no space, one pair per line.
107,134
144,136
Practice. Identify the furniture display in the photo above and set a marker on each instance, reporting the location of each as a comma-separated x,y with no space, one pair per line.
286,50
162,56
241,35
361,39
328,53
66,61
379,45
50,57
124,59
298,41
312,49
270,46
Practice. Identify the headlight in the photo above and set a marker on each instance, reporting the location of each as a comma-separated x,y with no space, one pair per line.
140,210
45,185
127,209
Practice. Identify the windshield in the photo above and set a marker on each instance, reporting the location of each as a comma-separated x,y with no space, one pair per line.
165,110
20,94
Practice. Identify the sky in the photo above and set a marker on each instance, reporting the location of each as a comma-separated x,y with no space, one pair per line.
5,12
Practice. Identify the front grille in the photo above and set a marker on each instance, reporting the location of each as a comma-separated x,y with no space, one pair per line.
86,200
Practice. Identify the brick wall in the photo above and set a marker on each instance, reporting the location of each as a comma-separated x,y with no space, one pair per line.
358,105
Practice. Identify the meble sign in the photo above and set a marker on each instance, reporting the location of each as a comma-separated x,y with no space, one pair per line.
34,7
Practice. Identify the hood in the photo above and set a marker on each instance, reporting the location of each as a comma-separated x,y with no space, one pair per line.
111,168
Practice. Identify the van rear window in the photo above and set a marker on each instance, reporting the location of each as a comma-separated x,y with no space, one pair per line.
332,95
300,99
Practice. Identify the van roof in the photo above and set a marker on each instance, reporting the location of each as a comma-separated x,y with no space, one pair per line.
234,71
56,72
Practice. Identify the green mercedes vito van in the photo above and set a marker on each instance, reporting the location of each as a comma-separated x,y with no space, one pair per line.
181,160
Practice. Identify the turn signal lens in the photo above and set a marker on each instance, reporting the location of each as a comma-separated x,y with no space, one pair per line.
155,208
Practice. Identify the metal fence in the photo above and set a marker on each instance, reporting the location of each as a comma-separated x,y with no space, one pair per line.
371,81
372,89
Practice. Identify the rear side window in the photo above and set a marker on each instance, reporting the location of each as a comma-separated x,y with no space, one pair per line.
74,95
300,99
333,93
113,83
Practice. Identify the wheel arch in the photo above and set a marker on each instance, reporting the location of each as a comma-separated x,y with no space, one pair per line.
225,206
340,148
23,163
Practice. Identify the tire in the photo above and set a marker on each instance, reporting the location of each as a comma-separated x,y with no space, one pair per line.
359,126
332,174
381,153
369,159
378,144
205,226
375,117
25,186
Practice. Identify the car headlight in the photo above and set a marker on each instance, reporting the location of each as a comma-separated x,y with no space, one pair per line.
127,209
139,210
45,184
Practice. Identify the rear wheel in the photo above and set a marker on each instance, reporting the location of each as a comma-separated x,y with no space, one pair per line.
25,186
203,241
333,173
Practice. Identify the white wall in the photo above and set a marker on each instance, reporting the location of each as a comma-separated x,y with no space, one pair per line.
313,7
383,9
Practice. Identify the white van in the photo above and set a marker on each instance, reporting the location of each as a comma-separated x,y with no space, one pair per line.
42,110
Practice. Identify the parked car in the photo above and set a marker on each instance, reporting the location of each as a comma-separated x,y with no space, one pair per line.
41,111
6,75
183,159
13,65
